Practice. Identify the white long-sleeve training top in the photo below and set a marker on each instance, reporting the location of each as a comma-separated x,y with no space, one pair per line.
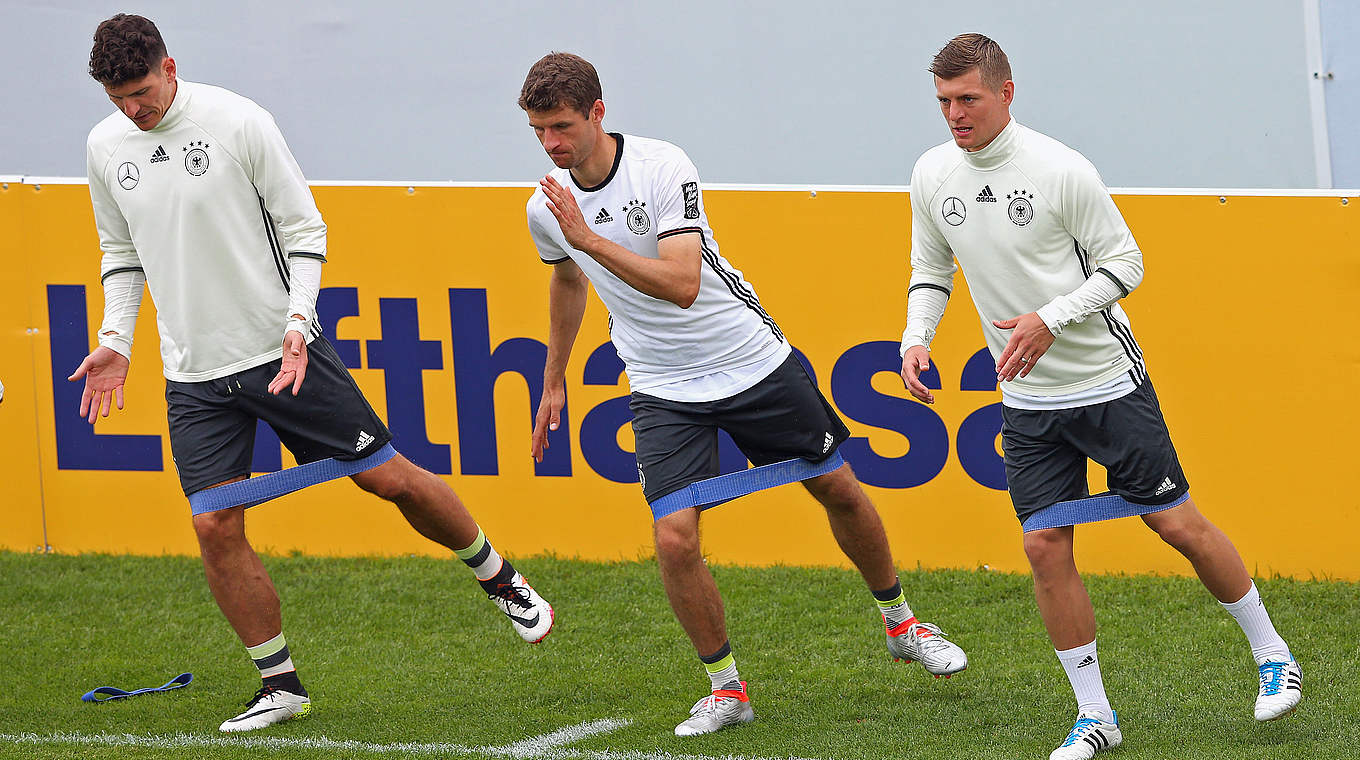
1034,229
210,205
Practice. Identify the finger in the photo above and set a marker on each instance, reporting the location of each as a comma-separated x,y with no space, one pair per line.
105,401
85,397
81,370
301,373
1006,324
118,394
1006,354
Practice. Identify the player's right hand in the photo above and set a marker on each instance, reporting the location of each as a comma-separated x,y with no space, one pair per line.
105,371
549,416
915,361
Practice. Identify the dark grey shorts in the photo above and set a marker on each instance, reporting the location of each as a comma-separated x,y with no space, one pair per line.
781,417
212,423
1046,452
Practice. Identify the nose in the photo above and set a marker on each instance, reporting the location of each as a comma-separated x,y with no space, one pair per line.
955,112
131,107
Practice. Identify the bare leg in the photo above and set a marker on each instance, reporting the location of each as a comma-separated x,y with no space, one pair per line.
689,584
1213,556
236,577
425,500
856,525
1063,602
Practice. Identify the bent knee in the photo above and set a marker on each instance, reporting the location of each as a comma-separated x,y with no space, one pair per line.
219,528
675,541
1048,545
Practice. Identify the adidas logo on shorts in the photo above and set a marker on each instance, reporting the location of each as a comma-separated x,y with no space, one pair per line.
828,443
364,440
1166,485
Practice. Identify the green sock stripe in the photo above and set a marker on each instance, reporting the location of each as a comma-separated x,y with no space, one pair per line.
471,551
273,646
720,665
901,599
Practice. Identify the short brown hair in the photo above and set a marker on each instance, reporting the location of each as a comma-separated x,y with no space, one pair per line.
973,51
126,47
560,79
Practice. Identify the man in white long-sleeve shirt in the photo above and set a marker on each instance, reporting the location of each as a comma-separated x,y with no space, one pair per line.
200,199
1048,256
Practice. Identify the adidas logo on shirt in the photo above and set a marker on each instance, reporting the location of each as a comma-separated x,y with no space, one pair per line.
603,217
159,155
364,440
1088,661
1166,485
986,195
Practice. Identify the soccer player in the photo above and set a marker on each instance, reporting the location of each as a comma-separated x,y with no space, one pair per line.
196,194
1048,256
700,354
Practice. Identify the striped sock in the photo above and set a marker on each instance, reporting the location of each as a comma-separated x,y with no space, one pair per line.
893,604
479,556
722,668
276,665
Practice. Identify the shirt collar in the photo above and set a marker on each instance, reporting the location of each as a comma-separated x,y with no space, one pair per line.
1001,149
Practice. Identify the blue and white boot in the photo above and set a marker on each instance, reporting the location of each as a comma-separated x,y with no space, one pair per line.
1281,688
1090,734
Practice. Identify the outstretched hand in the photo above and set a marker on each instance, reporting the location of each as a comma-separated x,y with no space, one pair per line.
563,205
1030,341
549,416
915,361
105,371
294,366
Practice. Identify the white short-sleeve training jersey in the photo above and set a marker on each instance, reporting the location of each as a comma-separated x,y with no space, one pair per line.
1029,221
653,192
210,204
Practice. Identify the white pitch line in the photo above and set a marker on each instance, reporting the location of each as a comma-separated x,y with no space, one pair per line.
538,745
549,752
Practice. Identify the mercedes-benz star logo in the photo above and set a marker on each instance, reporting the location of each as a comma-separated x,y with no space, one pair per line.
127,175
954,211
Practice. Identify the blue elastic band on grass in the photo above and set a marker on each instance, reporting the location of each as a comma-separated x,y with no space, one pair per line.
1105,506
714,491
110,693
257,490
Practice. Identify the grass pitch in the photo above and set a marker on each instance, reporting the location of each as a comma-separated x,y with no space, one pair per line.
406,657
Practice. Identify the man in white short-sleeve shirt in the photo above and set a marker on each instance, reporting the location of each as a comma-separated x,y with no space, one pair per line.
626,214
1048,256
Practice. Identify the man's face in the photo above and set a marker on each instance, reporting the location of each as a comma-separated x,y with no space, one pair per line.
568,135
146,100
976,113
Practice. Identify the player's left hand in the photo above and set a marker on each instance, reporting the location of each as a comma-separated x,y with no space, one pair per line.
569,217
1028,343
294,366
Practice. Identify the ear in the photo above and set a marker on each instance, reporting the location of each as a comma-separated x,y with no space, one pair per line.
1007,92
597,111
168,67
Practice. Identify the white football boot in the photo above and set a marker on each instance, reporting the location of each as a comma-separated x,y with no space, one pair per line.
267,707
529,613
925,643
1281,688
1089,735
722,708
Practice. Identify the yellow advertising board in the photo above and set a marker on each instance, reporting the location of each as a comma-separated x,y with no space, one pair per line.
436,299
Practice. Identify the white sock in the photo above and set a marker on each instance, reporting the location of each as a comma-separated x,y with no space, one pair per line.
1250,613
1083,670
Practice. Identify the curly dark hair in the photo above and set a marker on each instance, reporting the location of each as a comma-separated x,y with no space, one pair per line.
126,47
560,79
